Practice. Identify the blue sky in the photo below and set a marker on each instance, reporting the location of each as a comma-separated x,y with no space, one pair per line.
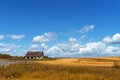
60,28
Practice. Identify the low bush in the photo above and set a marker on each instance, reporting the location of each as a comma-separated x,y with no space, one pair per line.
116,64
12,74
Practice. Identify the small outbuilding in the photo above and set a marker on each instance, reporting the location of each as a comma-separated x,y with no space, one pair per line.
34,55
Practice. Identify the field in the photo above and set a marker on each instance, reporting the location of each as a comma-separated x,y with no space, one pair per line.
64,69
108,62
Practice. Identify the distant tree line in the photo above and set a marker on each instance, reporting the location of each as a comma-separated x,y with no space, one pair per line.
4,56
7,56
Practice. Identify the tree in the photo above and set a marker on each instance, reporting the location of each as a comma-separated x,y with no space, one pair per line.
4,56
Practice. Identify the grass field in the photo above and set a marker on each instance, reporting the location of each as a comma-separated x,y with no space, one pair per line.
84,61
64,69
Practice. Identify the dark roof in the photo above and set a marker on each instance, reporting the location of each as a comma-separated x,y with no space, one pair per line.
34,54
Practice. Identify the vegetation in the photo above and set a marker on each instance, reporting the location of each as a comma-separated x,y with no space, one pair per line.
46,58
4,56
37,71
9,57
116,64
98,59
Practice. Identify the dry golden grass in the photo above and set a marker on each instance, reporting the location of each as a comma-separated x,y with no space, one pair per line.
83,61
64,69
36,71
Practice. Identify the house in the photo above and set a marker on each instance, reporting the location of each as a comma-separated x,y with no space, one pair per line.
34,55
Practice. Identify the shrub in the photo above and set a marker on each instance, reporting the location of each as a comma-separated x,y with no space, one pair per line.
10,74
5,56
116,64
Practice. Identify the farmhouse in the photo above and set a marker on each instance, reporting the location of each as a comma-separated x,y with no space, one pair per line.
34,55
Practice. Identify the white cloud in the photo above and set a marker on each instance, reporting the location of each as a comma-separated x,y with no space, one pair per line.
93,47
115,39
44,46
34,46
54,50
72,40
2,45
9,48
72,47
1,37
82,37
16,37
38,47
112,50
88,49
86,29
46,37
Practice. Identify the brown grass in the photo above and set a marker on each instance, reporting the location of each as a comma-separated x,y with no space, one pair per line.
70,69
83,61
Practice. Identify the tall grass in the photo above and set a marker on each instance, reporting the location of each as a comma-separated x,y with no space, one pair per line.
36,71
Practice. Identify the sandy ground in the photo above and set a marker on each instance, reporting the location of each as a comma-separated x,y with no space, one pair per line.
83,61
